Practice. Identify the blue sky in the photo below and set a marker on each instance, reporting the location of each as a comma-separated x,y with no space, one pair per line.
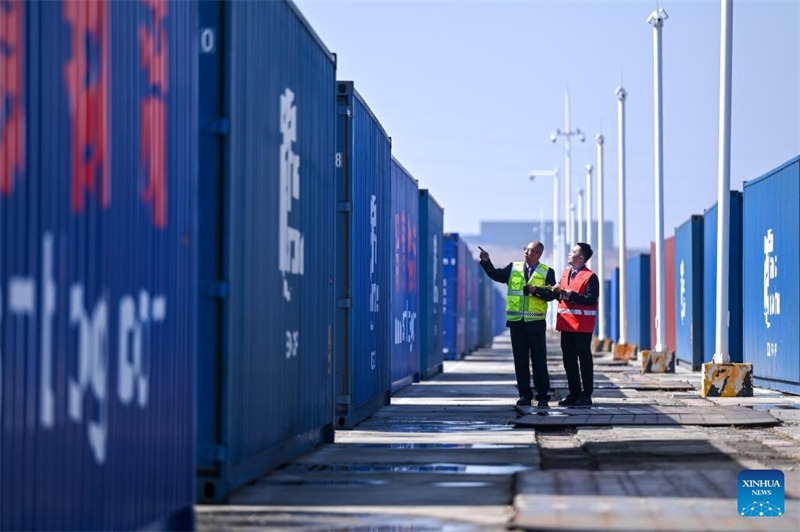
470,92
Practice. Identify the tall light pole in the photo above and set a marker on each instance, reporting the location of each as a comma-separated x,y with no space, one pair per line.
554,174
600,248
556,240
656,19
589,169
721,354
580,216
567,133
623,292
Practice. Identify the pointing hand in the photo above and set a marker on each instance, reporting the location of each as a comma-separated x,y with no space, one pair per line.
484,256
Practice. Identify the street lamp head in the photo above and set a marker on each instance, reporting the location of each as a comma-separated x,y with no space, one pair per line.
657,18
553,136
600,139
589,168
621,93
581,137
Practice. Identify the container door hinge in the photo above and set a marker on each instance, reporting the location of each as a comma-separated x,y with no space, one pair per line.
343,400
345,110
211,453
344,302
216,288
344,206
215,125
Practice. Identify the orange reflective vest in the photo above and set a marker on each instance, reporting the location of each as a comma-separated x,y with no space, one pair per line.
573,317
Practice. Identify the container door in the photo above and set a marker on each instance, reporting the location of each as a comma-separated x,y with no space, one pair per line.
211,237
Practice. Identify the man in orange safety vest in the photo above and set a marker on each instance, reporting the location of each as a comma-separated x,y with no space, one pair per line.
577,312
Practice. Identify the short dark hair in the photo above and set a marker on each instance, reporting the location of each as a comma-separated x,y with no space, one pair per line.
586,250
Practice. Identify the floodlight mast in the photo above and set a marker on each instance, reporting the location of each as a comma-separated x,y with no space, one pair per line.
656,19
567,133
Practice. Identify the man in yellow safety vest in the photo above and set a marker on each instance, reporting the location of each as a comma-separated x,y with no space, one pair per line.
529,290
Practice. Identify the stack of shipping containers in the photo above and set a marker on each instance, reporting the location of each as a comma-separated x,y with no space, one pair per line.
669,294
614,307
431,247
499,312
405,295
266,306
485,307
772,299
363,260
97,339
454,296
473,295
638,300
689,292
734,280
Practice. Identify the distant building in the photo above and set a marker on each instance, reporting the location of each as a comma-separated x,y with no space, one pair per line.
511,234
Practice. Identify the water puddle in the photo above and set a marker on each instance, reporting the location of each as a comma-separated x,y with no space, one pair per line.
774,407
438,446
466,469
461,484
323,482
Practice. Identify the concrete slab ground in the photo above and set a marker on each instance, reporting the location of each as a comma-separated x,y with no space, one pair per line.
446,455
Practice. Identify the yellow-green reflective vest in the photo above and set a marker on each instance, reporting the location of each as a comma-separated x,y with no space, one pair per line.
518,305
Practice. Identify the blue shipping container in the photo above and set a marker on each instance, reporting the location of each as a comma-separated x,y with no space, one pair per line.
772,307
689,292
97,228
638,300
431,246
499,312
473,297
613,319
486,305
735,336
454,296
363,260
266,312
606,310
405,326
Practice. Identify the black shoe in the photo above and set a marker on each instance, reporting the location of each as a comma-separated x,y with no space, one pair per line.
569,400
584,400
524,401
542,403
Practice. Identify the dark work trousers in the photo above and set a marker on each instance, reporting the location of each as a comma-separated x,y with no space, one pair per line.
529,345
577,347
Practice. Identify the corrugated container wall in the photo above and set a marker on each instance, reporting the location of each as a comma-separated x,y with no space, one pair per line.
431,248
613,322
485,307
454,296
405,304
98,140
638,300
734,280
606,309
266,312
689,292
363,260
473,300
669,293
771,254
499,320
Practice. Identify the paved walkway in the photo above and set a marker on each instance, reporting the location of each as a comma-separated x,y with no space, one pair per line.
453,452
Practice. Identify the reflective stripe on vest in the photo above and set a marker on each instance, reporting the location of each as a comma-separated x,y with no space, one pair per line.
577,312
520,307
574,317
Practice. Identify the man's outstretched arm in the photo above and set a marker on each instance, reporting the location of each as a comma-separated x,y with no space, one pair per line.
498,275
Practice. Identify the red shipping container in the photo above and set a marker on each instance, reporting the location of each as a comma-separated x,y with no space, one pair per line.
669,292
